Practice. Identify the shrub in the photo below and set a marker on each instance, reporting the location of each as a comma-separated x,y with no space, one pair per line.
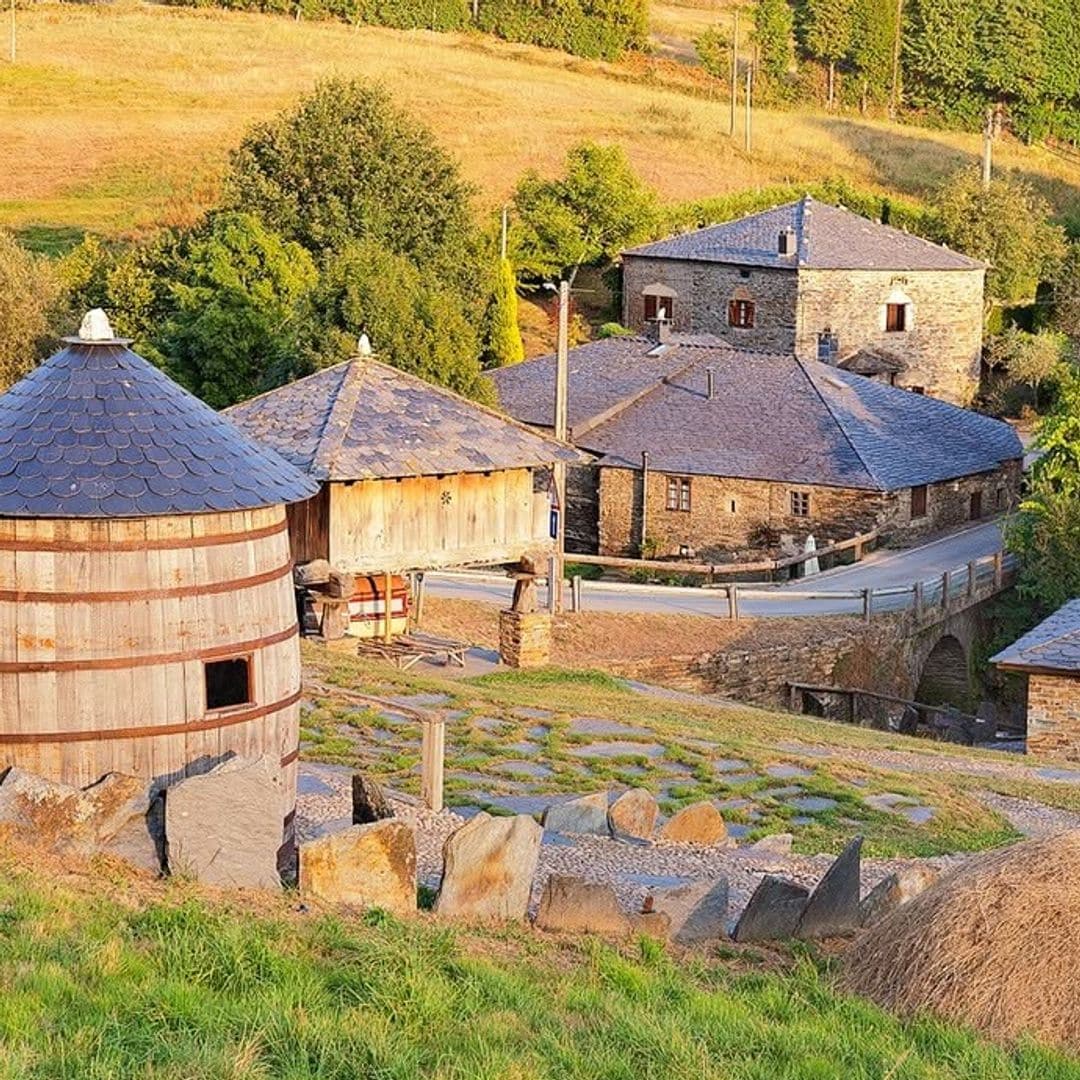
30,301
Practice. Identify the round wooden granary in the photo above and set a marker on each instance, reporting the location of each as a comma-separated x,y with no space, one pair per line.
147,617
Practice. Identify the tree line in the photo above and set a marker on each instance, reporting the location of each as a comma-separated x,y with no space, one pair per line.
952,61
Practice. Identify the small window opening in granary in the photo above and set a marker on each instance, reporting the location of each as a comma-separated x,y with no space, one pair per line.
678,493
800,503
228,683
895,318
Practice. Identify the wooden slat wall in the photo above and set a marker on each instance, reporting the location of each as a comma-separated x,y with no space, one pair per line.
428,522
86,649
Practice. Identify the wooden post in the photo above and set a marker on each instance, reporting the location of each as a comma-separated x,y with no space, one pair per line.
388,599
988,147
867,603
852,709
418,587
858,550
946,584
733,601
734,73
999,570
575,592
973,571
432,756
793,697
918,600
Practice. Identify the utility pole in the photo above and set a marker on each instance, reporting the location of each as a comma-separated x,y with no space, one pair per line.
502,242
562,380
734,73
13,31
988,147
746,124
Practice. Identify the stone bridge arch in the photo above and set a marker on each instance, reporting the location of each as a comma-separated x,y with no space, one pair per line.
945,675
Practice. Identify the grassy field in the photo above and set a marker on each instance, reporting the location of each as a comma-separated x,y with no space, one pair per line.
119,117
502,726
108,977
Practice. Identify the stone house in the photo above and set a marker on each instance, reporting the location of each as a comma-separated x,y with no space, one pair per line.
705,449
825,284
1049,656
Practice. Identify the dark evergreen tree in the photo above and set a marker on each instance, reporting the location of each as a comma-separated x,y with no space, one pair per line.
773,29
827,27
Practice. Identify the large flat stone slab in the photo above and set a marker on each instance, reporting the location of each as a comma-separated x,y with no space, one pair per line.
572,905
367,866
699,823
833,907
488,868
225,827
585,814
698,911
773,911
634,814
894,891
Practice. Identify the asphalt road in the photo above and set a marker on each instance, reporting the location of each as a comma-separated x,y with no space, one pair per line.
880,570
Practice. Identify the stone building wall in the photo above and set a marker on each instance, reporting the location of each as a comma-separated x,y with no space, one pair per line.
582,508
943,343
702,292
1053,715
726,513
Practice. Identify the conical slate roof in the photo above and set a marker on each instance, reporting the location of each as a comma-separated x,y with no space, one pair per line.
98,432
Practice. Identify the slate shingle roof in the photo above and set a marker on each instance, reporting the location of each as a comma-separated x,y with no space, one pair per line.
98,432
1054,645
772,417
827,238
366,420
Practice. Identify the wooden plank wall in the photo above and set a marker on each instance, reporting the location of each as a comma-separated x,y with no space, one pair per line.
428,522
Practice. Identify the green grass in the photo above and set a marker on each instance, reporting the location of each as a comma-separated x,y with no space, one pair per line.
339,730
173,985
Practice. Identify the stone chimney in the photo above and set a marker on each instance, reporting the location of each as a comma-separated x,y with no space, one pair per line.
659,329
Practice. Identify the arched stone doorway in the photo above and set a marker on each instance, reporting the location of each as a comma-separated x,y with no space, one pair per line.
945,678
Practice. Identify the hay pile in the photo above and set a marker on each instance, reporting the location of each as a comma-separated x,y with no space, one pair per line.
994,945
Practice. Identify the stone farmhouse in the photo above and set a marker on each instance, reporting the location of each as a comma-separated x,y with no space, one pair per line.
1049,656
825,284
704,449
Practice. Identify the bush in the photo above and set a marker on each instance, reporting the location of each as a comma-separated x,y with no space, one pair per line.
30,295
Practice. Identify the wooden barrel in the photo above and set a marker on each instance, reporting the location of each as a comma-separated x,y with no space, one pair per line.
155,646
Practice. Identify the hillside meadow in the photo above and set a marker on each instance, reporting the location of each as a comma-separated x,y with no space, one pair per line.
118,118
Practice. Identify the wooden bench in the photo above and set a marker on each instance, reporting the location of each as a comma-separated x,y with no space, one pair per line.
410,649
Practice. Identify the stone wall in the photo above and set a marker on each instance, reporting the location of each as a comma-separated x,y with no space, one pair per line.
726,513
702,292
525,638
1053,716
943,342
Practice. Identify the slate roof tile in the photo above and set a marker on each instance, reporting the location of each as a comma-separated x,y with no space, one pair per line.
772,417
97,431
365,420
827,238
1053,645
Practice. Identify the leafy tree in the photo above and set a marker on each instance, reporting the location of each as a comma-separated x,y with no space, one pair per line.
1058,467
1010,52
1065,315
827,27
30,301
872,40
1007,226
774,26
503,335
1030,359
713,48
411,321
236,310
939,49
346,164
597,207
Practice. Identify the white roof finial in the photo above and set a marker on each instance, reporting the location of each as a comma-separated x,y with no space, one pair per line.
363,346
95,326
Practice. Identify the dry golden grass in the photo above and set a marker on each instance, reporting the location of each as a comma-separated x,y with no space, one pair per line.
993,946
116,118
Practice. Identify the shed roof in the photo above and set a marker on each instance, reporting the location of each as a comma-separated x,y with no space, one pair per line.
772,417
366,420
98,432
1053,646
827,238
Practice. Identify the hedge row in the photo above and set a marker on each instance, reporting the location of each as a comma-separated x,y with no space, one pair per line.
598,29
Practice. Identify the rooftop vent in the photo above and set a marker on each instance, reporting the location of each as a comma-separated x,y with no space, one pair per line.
95,327
363,346
785,243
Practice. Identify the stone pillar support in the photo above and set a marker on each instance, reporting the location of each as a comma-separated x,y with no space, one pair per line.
525,638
